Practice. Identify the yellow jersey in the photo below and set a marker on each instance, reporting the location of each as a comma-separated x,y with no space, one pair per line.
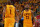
10,11
9,20
27,22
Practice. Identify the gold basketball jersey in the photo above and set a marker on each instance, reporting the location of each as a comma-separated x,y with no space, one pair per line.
9,16
27,19
10,11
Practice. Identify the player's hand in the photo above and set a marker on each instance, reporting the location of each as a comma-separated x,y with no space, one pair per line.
33,25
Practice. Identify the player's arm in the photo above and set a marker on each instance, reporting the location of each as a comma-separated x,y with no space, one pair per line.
21,15
15,15
16,12
4,9
32,16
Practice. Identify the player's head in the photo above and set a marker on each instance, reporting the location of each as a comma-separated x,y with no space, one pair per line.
26,7
9,2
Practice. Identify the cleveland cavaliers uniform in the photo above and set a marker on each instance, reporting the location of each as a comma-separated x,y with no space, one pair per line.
27,22
9,16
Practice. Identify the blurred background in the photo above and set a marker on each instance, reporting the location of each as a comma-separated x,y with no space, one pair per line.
19,6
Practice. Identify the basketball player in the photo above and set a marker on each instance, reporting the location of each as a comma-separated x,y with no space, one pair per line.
9,19
27,14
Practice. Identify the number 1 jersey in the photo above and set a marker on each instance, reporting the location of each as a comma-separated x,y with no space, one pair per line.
10,11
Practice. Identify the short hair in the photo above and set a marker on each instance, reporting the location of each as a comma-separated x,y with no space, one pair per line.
9,2
27,6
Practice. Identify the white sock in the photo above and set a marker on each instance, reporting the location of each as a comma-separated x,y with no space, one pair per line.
16,24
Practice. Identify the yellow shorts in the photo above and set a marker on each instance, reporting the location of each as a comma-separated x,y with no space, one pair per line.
9,22
27,24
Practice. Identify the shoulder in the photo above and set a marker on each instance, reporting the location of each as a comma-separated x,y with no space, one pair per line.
7,5
23,11
32,11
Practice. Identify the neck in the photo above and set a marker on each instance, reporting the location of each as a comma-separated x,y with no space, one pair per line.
27,9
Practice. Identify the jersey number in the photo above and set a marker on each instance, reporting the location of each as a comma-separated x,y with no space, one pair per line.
27,17
10,11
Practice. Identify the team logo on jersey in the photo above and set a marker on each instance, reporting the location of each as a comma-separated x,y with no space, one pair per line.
27,15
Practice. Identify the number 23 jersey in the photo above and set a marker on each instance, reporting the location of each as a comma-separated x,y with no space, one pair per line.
27,16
